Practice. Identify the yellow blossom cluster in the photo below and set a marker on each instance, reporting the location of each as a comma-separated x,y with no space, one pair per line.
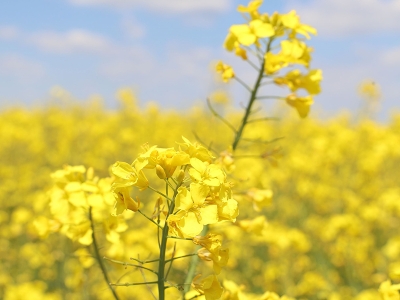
75,192
203,194
277,41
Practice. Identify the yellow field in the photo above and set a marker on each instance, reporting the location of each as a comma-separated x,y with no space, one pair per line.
331,230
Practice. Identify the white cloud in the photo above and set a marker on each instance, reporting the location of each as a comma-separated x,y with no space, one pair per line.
179,64
72,41
391,57
348,17
176,80
8,32
134,61
20,67
170,6
133,29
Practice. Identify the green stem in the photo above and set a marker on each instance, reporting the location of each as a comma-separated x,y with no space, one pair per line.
148,218
158,192
179,238
214,112
242,83
262,119
193,265
98,257
163,250
137,283
262,141
145,261
253,97
271,97
178,257
129,264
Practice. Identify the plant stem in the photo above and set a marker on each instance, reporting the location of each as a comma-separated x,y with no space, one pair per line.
194,261
148,218
253,97
178,257
129,264
179,238
136,283
163,249
98,257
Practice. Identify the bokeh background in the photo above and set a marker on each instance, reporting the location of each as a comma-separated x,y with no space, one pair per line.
164,49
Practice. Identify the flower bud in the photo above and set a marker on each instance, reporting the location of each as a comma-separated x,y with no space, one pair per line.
204,254
160,172
180,176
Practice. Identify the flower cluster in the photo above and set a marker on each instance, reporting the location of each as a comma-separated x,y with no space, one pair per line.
277,41
75,192
202,193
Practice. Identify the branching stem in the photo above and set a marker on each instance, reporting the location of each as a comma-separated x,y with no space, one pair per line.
129,264
253,97
98,257
163,250
136,283
214,112
150,219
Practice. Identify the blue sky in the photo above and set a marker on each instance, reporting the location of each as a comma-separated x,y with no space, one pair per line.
165,49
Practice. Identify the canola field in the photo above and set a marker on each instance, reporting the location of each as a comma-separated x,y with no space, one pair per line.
321,221
211,203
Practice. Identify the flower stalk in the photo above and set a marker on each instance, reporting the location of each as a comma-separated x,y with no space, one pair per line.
99,258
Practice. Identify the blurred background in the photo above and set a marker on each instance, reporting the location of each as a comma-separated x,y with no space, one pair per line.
165,50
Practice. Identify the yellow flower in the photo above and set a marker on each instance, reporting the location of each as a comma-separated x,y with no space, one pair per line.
260,198
273,296
296,52
195,150
167,159
295,80
225,70
194,211
208,286
232,291
292,52
255,226
212,250
208,174
85,258
220,97
302,104
274,62
82,232
44,226
211,241
251,8
226,160
123,201
248,35
228,210
128,176
370,90
241,52
389,291
394,270
113,225
219,258
292,21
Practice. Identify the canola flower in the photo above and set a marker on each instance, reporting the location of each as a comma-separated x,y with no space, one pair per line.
261,34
